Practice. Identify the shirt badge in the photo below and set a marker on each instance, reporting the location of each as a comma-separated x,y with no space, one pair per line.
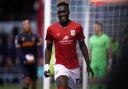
23,38
58,34
72,32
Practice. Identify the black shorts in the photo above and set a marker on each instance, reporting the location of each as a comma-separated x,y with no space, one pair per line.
29,71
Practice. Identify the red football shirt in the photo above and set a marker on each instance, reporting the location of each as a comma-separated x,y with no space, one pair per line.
65,39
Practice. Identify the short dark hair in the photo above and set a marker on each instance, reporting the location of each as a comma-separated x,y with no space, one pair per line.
99,23
62,2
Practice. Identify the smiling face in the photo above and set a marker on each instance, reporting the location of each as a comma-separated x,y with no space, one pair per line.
63,13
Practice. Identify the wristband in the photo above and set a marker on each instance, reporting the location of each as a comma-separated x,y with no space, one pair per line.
46,67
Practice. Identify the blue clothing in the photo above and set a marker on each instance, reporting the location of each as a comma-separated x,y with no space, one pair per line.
27,44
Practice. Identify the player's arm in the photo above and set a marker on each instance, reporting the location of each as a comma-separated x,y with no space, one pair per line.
19,49
84,51
109,52
39,42
48,53
90,49
80,37
89,52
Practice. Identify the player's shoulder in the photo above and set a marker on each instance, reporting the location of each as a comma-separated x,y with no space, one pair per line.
35,35
92,37
19,35
105,36
53,25
76,24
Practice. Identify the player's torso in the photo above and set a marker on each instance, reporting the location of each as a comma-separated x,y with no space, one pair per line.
99,49
28,43
64,35
65,44
98,41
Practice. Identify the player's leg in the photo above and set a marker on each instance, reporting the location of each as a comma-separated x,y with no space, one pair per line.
94,82
26,82
34,84
74,78
62,82
61,76
33,76
99,71
25,77
102,76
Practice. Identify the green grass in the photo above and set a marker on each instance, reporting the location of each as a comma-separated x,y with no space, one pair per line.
10,87
18,86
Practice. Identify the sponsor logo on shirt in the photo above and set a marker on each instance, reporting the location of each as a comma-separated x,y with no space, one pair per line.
65,40
23,38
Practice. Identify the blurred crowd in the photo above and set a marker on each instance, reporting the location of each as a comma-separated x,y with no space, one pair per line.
8,56
8,59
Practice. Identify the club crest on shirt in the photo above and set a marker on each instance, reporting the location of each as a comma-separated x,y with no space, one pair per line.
23,38
72,32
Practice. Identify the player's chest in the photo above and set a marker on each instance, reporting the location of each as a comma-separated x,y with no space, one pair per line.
99,42
64,33
28,40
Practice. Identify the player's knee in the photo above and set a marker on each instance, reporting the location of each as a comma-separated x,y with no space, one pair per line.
62,87
62,81
26,81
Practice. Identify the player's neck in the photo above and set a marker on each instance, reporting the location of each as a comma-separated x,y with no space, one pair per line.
99,34
65,23
28,32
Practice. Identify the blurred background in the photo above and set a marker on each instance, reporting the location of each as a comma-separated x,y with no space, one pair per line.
113,14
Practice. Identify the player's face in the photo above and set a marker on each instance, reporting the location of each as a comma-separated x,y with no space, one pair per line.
63,13
26,25
97,28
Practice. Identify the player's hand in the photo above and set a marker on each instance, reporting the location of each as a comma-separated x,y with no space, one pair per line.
30,59
46,71
90,71
109,67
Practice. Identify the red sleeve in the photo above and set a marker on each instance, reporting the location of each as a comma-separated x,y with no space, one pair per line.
49,37
80,34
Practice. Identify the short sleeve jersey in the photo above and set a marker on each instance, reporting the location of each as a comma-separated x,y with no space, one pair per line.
65,39
27,43
99,46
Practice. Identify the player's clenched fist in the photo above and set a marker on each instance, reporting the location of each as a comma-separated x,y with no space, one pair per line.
46,70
